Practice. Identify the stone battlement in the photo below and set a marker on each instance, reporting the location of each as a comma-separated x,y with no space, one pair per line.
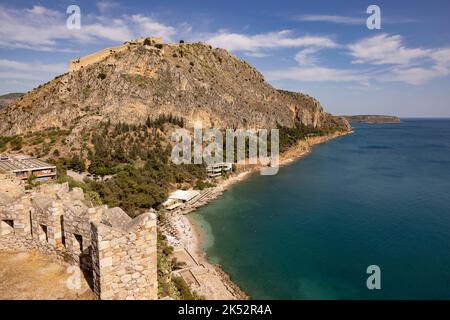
116,252
85,61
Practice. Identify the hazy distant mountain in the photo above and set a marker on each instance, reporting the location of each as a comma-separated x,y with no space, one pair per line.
9,98
373,119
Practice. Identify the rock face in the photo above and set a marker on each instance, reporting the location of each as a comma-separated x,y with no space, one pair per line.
372,119
146,79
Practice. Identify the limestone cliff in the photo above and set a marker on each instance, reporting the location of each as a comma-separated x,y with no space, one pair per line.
191,80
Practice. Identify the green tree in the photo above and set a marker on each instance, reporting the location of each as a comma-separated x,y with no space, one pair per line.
77,164
16,143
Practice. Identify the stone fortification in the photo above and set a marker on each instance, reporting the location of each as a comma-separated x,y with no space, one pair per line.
116,253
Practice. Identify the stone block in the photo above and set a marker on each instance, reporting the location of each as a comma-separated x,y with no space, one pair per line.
106,262
125,278
103,245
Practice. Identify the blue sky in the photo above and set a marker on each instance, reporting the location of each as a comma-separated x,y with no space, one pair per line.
322,48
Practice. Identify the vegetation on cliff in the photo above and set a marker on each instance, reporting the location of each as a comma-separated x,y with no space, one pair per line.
136,163
38,144
170,285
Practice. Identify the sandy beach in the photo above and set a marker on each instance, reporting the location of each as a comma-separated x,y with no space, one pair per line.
185,236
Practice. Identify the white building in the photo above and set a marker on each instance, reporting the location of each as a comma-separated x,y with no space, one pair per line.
24,166
217,169
179,197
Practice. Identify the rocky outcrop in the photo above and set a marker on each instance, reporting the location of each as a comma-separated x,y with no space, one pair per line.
309,112
191,80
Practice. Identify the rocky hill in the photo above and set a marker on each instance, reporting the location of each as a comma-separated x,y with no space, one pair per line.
189,80
373,119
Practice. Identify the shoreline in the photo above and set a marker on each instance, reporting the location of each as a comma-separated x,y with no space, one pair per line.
191,237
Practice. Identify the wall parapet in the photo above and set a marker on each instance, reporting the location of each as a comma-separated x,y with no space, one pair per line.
82,62
116,252
125,261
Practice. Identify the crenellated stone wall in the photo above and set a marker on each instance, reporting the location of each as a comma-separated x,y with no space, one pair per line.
125,259
95,57
85,61
116,253
13,220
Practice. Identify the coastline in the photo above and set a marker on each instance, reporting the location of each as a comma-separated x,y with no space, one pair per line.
212,282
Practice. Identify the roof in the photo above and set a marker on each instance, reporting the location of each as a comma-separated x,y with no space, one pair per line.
184,195
174,206
23,164
220,165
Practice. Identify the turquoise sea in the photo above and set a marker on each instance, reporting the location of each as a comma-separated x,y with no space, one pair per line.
380,196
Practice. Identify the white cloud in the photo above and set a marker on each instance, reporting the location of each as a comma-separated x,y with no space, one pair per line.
316,74
348,20
256,44
42,11
256,54
34,70
332,18
43,29
116,30
29,27
442,60
414,76
306,56
147,26
385,49
106,6
391,61
414,66
417,75
33,66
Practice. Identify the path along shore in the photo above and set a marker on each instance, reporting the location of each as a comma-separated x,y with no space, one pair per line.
204,277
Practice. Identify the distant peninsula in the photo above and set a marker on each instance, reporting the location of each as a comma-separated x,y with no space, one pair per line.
373,119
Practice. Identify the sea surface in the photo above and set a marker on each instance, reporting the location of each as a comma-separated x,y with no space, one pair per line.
380,196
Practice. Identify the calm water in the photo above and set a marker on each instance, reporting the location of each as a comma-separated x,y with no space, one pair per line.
380,196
